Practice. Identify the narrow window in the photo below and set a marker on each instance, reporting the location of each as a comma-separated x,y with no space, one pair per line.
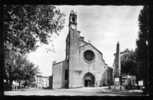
66,74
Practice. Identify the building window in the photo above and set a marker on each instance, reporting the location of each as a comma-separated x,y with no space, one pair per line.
66,74
89,55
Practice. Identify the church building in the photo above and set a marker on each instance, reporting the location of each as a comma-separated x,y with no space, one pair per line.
83,66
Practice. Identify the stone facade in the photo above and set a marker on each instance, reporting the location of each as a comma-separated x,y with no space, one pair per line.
84,64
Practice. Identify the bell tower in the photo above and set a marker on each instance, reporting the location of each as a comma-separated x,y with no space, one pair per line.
73,20
72,51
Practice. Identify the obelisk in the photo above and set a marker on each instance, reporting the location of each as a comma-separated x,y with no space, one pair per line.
117,76
118,59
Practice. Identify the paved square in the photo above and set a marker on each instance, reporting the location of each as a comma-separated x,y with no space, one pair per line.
96,91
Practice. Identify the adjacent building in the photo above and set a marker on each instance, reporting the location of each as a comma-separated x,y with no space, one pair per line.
42,81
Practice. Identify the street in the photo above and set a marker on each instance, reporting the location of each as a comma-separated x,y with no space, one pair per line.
90,91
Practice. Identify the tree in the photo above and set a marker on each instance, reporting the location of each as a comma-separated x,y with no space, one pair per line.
128,63
25,25
29,72
141,50
144,45
20,70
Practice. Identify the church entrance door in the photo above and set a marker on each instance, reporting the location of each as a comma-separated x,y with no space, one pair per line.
89,80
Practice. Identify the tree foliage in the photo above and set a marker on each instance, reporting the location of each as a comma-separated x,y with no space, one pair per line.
25,25
20,69
128,63
142,47
145,47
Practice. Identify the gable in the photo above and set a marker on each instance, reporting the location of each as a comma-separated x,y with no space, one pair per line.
84,43
89,44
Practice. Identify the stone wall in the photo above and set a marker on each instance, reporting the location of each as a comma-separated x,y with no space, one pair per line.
58,75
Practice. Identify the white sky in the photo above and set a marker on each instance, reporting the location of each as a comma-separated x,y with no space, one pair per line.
103,26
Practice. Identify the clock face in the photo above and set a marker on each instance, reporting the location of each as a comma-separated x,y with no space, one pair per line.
73,26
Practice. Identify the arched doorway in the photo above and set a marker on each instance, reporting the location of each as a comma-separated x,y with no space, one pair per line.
89,80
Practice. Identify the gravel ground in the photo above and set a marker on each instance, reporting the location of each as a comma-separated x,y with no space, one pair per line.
91,91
